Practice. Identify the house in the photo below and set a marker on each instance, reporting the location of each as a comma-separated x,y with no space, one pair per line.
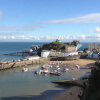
32,57
45,53
35,47
54,53
95,55
70,48
93,46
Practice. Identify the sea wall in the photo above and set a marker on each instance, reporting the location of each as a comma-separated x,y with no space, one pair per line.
75,57
11,64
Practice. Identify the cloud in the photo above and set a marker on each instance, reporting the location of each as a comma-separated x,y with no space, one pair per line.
7,37
10,33
89,18
63,38
97,29
0,15
19,28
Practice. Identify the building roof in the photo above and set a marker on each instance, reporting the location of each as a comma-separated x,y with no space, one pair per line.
70,45
27,49
45,51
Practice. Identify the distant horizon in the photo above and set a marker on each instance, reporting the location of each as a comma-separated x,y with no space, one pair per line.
43,42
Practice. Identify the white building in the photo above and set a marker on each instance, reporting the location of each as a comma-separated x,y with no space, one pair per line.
45,53
93,55
32,57
54,53
65,54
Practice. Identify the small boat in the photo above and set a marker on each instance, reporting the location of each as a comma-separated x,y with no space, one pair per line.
45,71
56,66
50,66
92,67
53,63
52,73
77,66
25,69
65,69
44,67
73,68
38,72
57,73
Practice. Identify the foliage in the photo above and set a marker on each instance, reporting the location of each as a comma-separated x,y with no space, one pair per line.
94,86
56,45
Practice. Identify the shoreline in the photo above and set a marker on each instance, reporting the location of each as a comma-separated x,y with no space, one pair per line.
85,66
71,93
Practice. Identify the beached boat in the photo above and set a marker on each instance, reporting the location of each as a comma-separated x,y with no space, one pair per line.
65,69
25,69
55,73
45,71
52,73
44,67
77,66
73,68
38,72
92,67
57,66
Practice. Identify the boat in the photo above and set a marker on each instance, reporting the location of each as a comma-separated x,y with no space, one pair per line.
57,66
73,68
77,66
45,71
92,67
25,69
52,73
57,73
38,72
44,67
65,69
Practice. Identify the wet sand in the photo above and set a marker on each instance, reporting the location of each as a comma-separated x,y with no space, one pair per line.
83,63
72,93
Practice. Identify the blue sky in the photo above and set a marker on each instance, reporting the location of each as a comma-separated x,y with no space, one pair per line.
46,20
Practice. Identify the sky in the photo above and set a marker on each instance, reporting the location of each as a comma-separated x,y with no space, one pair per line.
48,20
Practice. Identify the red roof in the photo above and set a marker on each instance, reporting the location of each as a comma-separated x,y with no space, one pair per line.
27,49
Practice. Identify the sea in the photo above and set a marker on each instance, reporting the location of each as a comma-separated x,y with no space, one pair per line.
18,85
13,47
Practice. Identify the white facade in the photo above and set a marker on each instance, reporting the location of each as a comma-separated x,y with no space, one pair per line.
45,54
63,54
90,55
93,55
32,57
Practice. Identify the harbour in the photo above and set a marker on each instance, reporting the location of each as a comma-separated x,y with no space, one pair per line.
28,85
32,86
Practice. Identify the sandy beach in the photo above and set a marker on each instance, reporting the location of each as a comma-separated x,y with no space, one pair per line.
69,94
72,92
83,63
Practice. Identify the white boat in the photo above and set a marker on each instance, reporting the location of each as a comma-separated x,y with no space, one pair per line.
25,69
65,69
57,66
77,66
45,71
